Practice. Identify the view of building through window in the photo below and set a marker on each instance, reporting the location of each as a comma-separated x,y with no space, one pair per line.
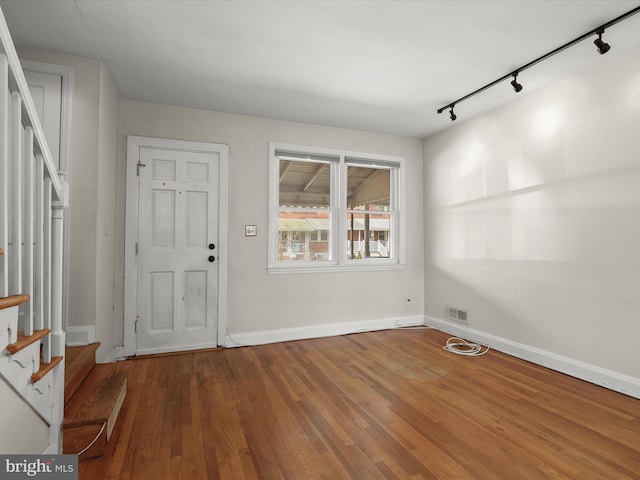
303,235
334,208
304,218
368,218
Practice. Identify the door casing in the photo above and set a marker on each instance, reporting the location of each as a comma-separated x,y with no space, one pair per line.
134,144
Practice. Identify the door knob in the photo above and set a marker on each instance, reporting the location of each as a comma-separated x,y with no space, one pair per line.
211,246
212,258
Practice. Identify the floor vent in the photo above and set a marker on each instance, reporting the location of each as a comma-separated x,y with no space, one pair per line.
457,314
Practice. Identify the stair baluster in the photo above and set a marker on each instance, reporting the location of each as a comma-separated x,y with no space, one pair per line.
4,173
28,229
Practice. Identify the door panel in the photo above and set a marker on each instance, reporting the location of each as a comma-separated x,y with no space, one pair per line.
195,305
161,301
197,218
163,217
177,282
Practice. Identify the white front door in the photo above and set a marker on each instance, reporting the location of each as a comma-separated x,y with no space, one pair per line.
177,250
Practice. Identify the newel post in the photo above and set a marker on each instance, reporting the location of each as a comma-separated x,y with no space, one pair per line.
58,208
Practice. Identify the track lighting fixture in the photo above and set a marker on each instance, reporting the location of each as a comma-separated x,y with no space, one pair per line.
602,46
514,83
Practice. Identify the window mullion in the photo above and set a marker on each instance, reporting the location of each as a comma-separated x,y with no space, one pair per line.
341,212
308,212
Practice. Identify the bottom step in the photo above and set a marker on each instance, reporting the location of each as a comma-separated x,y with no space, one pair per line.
90,416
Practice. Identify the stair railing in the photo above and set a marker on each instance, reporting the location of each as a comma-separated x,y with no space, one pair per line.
32,202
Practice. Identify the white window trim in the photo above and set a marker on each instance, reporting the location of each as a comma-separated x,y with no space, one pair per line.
338,237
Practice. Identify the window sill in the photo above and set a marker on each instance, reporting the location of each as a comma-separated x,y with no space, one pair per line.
333,268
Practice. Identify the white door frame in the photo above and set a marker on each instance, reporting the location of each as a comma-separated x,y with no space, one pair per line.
134,144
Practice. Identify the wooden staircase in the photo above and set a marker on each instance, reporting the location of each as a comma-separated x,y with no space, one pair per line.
21,359
93,396
33,201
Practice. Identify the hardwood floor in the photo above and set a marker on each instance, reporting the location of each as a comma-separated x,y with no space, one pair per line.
381,405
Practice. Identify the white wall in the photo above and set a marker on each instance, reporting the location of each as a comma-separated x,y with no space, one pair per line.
81,213
23,431
259,301
533,218
105,235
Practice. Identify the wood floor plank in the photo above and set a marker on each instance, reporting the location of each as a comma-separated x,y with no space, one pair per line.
379,405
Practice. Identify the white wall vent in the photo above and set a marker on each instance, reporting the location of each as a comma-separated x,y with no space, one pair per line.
456,314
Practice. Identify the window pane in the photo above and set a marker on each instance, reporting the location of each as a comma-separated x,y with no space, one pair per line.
305,184
303,235
368,235
368,188
333,208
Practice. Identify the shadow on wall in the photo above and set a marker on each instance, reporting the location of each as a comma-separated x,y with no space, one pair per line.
534,214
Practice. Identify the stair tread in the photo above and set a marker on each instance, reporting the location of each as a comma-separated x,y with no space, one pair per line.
94,401
24,341
79,362
90,416
12,301
73,354
45,368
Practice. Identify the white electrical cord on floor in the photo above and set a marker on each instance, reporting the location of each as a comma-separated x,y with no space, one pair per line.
94,440
460,346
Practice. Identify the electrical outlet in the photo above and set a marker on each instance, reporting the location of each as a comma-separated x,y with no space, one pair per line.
407,300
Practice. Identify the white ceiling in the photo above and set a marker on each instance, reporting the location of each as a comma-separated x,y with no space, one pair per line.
382,66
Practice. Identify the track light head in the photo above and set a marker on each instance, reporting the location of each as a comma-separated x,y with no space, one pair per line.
452,115
601,45
514,83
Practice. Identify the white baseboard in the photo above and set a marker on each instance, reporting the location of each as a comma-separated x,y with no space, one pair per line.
591,373
181,348
318,331
77,336
116,354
